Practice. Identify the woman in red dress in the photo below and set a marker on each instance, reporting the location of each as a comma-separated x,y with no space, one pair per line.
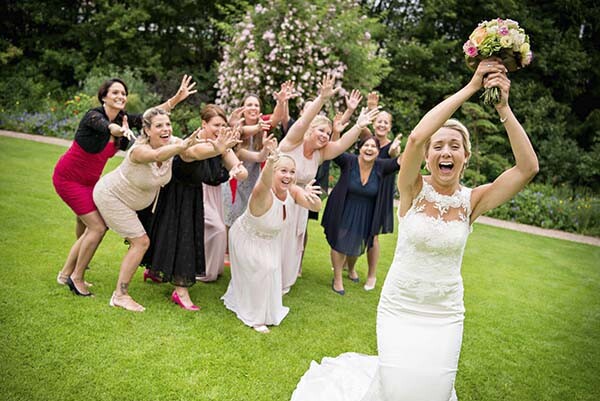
101,133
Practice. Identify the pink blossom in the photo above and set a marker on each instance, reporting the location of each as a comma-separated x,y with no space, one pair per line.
470,49
503,31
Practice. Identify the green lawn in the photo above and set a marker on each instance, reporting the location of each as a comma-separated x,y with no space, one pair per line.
532,328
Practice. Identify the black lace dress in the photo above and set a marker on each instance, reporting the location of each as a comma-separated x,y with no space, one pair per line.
176,228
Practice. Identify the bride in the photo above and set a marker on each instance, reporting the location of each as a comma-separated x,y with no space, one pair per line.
421,312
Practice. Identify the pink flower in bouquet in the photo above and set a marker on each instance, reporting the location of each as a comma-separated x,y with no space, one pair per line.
503,30
470,49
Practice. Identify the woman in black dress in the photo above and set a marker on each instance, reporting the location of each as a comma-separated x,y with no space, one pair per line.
176,252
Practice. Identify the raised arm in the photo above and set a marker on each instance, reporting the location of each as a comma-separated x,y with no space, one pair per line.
334,149
409,177
185,89
511,181
296,133
262,199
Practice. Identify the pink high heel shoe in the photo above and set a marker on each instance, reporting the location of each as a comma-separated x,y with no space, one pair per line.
149,275
175,298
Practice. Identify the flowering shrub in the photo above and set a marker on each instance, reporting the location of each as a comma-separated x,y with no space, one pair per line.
300,41
550,207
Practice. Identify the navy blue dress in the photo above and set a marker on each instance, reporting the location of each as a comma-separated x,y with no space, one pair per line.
354,212
388,187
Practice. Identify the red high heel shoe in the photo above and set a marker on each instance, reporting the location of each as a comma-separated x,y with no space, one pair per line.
149,275
175,298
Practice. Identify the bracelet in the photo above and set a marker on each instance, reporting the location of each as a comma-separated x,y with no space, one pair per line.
503,120
169,104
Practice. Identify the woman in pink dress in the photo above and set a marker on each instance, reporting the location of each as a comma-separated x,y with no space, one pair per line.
99,136
308,143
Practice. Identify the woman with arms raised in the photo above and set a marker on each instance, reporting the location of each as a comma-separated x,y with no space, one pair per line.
355,210
255,246
177,234
308,143
98,138
421,312
133,186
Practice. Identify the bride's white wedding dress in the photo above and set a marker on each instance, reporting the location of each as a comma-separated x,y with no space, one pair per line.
419,318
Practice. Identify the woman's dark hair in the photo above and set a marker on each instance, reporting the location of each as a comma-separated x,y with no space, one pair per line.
252,95
365,139
103,90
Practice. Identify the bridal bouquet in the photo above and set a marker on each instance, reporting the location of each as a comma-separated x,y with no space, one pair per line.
498,38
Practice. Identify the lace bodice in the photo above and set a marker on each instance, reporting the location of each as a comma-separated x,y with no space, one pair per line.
431,241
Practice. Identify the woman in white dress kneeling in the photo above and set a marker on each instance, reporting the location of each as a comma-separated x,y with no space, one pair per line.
254,292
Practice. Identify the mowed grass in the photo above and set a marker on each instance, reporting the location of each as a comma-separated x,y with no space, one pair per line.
532,328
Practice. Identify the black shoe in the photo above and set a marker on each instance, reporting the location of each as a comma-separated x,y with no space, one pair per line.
72,287
355,279
340,292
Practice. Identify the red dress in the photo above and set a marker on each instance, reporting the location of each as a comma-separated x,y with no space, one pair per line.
76,173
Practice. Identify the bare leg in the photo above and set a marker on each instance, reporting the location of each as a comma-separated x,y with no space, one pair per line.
84,248
130,263
337,260
79,227
351,262
372,259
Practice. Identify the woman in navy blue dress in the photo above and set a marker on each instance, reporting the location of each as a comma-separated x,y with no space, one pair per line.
355,209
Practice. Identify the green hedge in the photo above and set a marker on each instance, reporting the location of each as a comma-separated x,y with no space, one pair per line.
560,208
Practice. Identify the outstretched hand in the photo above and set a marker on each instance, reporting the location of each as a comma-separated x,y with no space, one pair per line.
353,100
227,138
186,88
286,92
236,170
372,100
127,132
312,191
338,125
326,89
366,117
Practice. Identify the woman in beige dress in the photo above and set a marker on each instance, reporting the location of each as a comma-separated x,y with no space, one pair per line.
133,186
